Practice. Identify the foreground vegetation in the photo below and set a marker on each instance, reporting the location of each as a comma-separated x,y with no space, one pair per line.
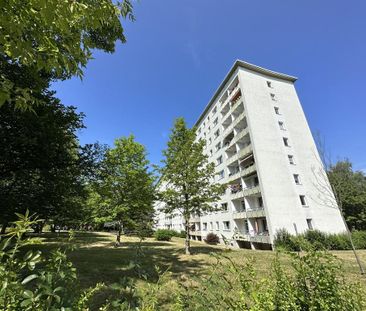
154,275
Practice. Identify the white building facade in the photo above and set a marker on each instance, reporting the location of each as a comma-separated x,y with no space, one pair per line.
257,135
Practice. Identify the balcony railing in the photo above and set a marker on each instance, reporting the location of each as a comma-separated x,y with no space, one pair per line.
240,154
233,107
230,96
249,213
251,190
237,137
195,232
233,124
261,237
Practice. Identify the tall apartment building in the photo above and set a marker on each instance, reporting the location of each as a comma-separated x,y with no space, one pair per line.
259,139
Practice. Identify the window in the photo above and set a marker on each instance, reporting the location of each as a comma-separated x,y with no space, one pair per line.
221,174
199,131
204,124
216,121
277,110
204,226
226,225
211,152
217,133
218,146
208,118
209,128
225,207
310,223
285,142
269,84
211,225
273,96
297,179
204,134
219,160
217,226
214,110
302,200
291,159
209,141
260,201
280,124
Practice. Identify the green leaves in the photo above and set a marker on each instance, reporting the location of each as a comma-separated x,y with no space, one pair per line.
187,176
58,36
124,192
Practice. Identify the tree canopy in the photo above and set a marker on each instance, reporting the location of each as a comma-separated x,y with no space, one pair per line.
124,193
350,189
187,180
56,37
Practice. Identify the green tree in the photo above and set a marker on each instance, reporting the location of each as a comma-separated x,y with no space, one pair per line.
42,166
187,176
56,37
125,193
350,187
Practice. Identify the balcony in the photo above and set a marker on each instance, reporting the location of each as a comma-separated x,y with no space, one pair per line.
241,173
233,124
237,137
233,107
249,213
262,237
194,232
251,190
229,98
240,154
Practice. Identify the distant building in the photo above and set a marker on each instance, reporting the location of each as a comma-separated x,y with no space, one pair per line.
259,139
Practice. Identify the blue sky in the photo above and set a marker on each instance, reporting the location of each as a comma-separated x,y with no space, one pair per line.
179,51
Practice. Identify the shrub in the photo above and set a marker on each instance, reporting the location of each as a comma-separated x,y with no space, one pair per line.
317,239
212,238
338,242
32,281
314,282
163,234
359,239
284,240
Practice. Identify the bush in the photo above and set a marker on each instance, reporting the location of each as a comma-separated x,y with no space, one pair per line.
319,240
314,282
359,239
338,242
163,234
30,281
212,239
284,240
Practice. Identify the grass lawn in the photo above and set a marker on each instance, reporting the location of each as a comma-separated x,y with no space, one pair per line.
97,260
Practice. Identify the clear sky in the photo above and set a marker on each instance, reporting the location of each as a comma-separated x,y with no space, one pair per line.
178,52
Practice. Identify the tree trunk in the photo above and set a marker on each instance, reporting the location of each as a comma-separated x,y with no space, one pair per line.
187,242
119,232
3,227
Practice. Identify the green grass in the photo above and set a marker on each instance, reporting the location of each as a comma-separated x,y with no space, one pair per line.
97,260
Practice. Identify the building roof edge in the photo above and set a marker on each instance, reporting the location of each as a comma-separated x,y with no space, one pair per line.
239,63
